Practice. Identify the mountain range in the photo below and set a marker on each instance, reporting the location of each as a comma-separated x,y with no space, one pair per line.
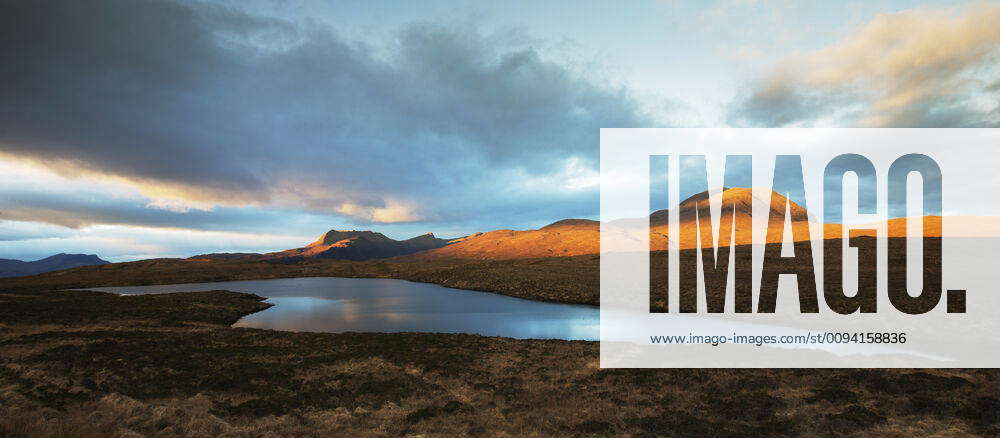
568,237
18,268
362,245
343,245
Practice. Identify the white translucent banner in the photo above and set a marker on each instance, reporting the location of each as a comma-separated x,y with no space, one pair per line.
850,248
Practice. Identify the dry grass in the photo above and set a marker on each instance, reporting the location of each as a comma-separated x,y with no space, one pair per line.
97,365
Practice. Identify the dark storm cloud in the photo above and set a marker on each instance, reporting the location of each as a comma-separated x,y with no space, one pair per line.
218,105
115,86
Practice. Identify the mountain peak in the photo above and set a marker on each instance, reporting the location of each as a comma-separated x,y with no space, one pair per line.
567,223
15,268
744,201
63,255
362,245
334,236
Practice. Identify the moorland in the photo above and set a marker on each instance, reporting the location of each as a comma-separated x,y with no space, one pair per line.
75,363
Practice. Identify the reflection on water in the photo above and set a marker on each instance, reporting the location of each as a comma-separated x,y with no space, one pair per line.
325,304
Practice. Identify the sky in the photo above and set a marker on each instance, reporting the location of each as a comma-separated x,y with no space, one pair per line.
136,129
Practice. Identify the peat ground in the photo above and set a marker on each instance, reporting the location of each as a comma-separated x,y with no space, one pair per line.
92,364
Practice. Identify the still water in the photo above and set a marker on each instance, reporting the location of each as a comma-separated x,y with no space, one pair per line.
326,304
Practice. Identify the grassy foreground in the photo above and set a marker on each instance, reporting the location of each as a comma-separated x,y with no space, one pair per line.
98,365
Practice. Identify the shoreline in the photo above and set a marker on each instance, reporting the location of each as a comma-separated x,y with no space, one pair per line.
563,280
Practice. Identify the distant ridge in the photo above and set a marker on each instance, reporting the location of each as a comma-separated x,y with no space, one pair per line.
356,245
571,223
568,237
571,237
361,245
227,256
18,268
563,238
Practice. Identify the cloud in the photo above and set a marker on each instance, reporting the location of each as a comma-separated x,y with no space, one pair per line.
123,243
394,211
926,67
201,108
31,193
